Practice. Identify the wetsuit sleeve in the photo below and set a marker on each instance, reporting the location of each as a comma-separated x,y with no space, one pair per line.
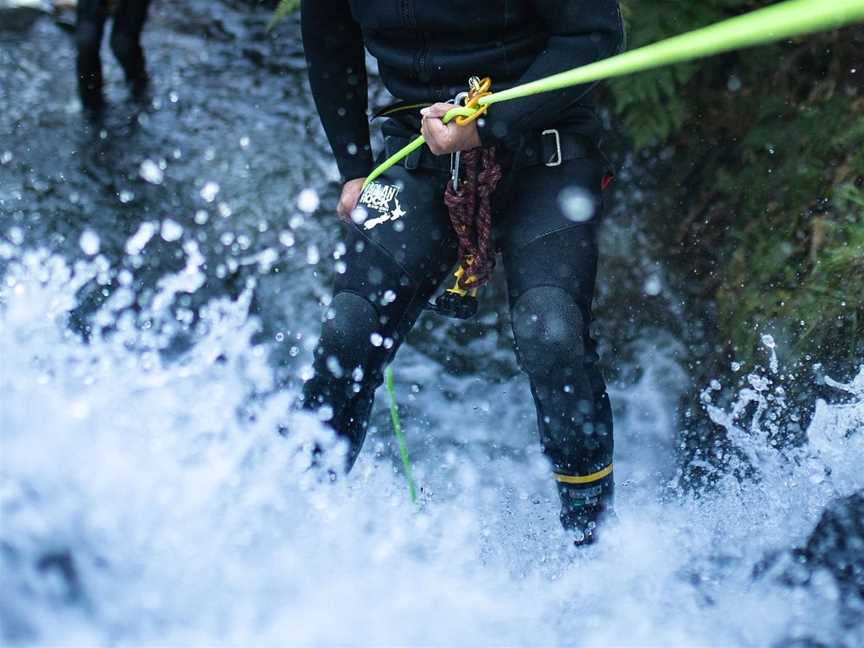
333,45
580,32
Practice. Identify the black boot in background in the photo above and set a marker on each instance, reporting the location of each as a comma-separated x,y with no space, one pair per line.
587,508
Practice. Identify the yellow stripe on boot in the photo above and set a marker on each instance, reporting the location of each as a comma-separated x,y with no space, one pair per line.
587,479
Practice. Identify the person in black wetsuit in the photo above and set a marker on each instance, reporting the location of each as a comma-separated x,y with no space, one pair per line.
129,17
397,257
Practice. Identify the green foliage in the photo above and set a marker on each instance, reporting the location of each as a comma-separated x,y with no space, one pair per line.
283,9
772,141
652,105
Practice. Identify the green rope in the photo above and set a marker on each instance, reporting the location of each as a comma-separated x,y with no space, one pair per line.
400,438
768,25
405,151
283,9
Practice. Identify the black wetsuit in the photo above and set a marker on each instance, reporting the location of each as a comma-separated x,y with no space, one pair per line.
129,17
406,247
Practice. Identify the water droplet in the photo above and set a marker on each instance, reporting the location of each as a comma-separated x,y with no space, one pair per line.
171,230
653,286
313,256
89,242
334,367
359,215
209,191
376,339
126,196
6,158
244,142
577,204
201,217
151,172
286,238
308,200
306,371
140,238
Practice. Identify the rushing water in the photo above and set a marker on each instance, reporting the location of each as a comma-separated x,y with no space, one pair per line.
156,268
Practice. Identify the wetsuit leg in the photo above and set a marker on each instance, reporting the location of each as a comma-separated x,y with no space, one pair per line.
551,264
393,263
129,18
89,27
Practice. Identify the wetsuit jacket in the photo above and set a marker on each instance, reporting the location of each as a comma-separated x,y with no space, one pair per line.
427,49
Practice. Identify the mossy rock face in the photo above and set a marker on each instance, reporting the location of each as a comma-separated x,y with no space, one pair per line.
764,154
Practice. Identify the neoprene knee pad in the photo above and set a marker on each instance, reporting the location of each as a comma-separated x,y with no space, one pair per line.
346,336
549,330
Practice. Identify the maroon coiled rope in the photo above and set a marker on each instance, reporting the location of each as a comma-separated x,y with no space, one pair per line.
471,215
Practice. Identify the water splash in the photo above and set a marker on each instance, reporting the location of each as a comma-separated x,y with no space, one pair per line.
147,500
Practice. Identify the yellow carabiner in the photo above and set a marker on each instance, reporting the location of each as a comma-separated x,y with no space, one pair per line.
477,89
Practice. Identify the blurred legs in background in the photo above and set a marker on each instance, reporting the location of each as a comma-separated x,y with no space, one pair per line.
128,21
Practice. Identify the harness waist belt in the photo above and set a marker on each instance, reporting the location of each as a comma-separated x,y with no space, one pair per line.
551,147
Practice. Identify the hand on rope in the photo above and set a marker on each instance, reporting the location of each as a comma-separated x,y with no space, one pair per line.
443,137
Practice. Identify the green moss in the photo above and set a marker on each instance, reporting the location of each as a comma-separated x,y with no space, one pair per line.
771,142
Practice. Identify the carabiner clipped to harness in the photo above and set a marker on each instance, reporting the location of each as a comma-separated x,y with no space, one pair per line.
477,89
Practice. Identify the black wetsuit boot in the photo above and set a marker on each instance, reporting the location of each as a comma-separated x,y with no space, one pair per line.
129,18
406,247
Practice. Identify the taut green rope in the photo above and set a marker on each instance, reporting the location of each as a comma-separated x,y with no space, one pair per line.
774,23
400,438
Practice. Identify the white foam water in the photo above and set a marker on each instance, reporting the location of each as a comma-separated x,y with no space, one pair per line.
148,501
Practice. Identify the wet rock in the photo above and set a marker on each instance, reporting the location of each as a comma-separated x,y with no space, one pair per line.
834,550
19,15
837,545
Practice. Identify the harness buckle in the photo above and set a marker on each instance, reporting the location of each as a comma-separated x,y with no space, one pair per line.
558,159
